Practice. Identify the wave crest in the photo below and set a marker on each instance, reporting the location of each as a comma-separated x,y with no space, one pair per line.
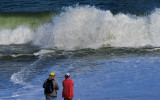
20,35
89,27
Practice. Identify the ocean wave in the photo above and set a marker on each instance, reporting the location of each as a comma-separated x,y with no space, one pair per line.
20,35
88,27
13,56
43,52
11,20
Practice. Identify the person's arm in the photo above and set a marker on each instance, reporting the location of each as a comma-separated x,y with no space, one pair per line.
57,87
44,84
63,83
72,83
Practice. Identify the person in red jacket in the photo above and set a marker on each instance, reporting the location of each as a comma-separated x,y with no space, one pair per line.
67,93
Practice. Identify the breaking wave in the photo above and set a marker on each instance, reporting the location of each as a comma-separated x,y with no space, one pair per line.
88,27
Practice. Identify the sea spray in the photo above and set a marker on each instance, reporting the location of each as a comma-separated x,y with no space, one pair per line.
88,27
44,36
154,28
20,35
22,76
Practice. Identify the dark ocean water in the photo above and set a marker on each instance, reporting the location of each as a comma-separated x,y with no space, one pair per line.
129,6
111,48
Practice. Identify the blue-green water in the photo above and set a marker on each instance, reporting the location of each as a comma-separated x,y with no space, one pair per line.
110,48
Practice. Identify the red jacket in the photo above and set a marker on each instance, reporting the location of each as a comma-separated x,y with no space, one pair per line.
67,88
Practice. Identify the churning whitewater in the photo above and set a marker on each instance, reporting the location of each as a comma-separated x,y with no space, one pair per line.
89,27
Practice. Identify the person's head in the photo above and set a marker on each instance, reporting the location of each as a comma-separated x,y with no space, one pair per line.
67,75
52,75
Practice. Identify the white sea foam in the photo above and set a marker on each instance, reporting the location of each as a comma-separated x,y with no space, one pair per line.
20,35
19,76
89,27
43,52
25,73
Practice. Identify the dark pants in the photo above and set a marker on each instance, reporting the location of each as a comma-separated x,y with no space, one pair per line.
67,98
50,98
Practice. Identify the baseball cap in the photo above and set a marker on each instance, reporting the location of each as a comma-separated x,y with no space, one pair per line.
67,74
52,74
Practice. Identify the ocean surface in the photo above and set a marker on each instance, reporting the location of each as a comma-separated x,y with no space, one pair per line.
111,48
